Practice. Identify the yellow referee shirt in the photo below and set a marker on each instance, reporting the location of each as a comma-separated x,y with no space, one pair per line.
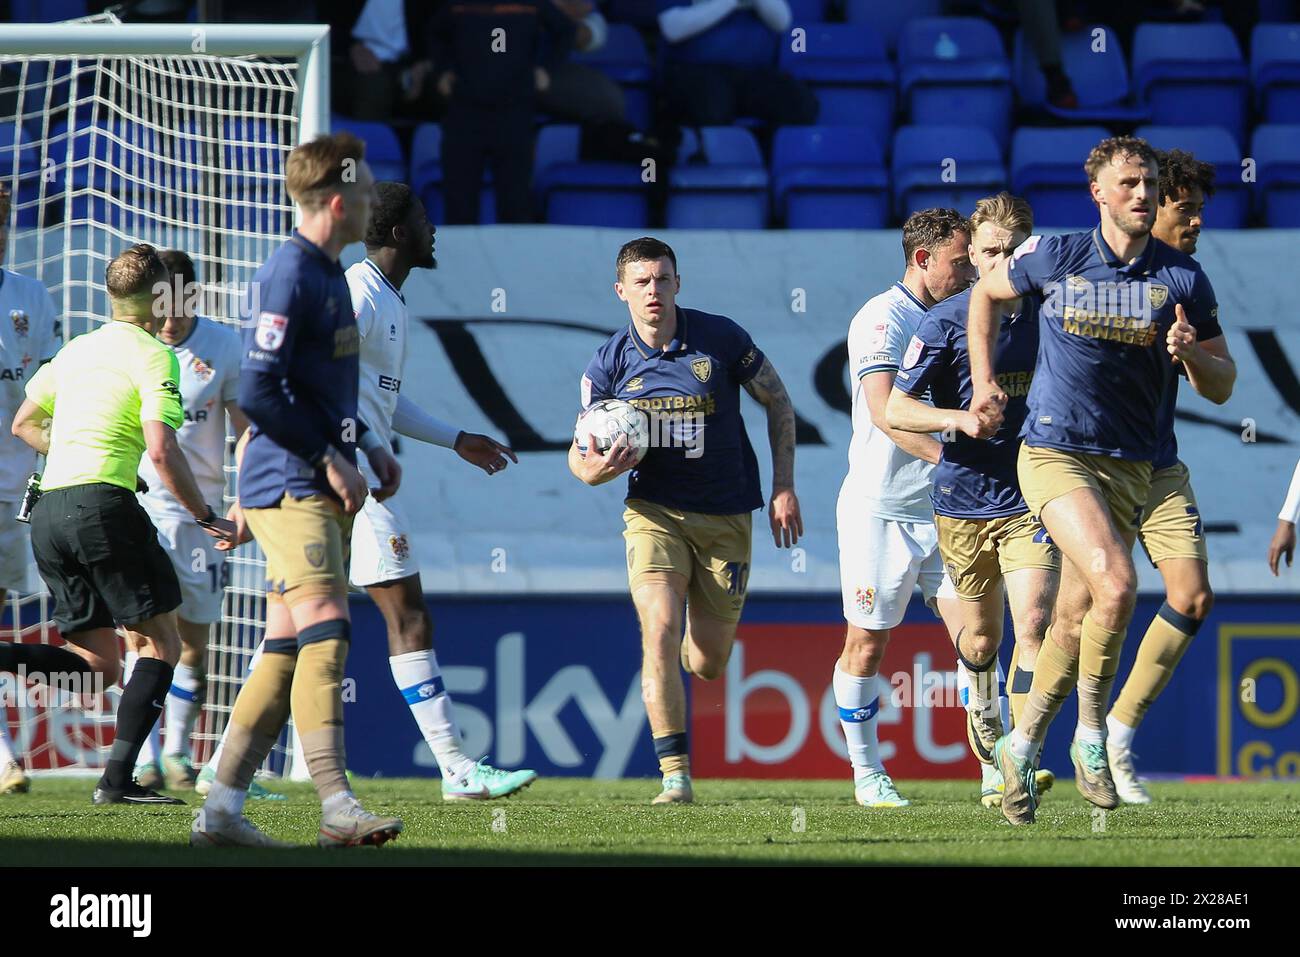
100,389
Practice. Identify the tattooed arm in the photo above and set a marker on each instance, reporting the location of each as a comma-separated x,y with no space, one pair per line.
783,509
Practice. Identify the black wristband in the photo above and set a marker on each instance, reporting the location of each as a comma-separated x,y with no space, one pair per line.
207,520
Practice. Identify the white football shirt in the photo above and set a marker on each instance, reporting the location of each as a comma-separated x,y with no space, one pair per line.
894,484
209,359
381,321
29,335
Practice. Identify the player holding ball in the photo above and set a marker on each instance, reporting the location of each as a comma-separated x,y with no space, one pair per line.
689,499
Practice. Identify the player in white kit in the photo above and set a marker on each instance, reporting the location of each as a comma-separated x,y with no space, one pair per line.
887,536
400,238
209,354
29,337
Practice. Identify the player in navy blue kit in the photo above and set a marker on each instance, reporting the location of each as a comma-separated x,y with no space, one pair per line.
1115,307
989,542
298,489
689,500
1171,533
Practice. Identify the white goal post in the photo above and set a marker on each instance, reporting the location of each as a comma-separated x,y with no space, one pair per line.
175,135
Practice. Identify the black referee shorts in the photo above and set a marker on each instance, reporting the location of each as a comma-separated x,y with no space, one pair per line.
99,555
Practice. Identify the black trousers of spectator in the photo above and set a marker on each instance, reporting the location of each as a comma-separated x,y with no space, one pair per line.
475,138
713,94
379,96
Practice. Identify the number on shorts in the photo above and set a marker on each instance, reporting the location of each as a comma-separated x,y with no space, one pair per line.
220,573
737,577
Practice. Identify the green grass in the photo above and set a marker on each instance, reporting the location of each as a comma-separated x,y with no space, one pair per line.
578,821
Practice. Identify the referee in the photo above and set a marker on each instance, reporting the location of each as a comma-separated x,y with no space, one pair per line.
92,411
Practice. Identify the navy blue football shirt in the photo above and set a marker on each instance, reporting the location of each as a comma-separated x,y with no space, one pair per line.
1102,362
305,333
691,393
975,478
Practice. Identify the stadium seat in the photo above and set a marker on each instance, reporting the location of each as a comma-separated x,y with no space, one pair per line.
887,19
20,166
624,60
1275,147
1275,71
576,193
426,176
719,181
954,69
1099,77
945,166
1230,206
804,13
829,177
1047,170
1186,72
383,151
847,67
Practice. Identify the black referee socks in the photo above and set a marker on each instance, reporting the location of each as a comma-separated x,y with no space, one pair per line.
137,712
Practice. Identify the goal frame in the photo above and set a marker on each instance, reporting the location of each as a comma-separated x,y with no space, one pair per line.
308,43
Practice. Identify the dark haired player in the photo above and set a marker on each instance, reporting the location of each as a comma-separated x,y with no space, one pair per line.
690,500
1115,307
1171,530
399,239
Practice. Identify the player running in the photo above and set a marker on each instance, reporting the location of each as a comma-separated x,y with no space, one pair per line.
990,544
1115,306
887,538
27,341
1171,531
399,239
209,355
689,505
298,490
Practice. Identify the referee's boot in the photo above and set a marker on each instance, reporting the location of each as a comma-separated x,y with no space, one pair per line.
131,794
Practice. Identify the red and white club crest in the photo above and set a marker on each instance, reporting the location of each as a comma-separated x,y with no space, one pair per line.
19,319
399,547
202,371
271,327
913,352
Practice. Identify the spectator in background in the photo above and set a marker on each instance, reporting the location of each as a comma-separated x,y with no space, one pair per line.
718,63
580,93
1038,18
494,61
386,69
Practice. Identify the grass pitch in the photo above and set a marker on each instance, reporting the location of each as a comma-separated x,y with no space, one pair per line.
578,821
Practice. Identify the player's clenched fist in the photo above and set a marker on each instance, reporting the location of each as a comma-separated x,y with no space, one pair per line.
987,402
1181,339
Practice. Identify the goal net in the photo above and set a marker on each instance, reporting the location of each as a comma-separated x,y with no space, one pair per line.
113,134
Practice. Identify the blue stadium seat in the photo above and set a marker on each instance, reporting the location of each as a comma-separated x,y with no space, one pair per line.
719,181
1047,170
888,18
20,167
1275,147
954,69
804,13
624,59
576,193
383,151
640,13
48,11
829,177
945,166
1099,77
846,65
1230,206
1275,71
1186,72
426,176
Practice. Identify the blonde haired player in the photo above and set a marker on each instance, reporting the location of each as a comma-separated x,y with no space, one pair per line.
887,538
994,551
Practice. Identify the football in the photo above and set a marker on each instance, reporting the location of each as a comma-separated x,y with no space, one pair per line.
606,420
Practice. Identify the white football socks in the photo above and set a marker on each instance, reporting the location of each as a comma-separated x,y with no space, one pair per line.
7,753
1118,734
182,705
417,676
858,701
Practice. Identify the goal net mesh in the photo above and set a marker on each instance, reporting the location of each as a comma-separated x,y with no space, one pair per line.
101,152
